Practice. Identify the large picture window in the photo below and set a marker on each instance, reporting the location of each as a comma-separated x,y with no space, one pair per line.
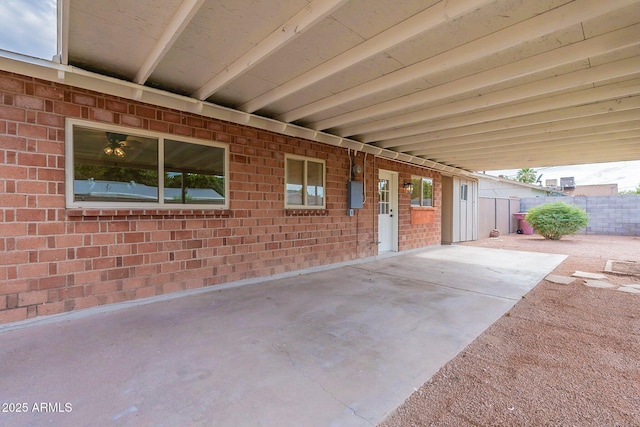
422,194
114,166
304,182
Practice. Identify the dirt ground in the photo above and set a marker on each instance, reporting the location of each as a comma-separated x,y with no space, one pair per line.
565,355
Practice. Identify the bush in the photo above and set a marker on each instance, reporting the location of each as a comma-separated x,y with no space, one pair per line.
554,220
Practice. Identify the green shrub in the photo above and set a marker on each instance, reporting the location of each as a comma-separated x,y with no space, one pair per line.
554,220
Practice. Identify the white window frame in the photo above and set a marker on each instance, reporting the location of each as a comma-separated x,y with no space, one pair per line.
420,191
304,185
160,205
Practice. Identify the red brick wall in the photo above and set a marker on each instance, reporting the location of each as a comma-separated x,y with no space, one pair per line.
56,259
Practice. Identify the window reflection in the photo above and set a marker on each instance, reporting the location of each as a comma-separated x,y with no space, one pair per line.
122,167
193,173
304,182
422,194
114,167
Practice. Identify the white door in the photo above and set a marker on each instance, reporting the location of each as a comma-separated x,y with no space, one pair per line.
465,212
387,212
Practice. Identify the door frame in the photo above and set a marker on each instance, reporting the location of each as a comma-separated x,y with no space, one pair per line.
393,205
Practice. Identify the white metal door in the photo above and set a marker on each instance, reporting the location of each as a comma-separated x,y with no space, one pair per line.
466,211
387,215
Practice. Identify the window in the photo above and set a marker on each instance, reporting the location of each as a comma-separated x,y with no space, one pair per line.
463,192
384,201
304,182
422,194
121,167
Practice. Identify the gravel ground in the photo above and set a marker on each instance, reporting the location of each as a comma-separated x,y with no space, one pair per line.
565,355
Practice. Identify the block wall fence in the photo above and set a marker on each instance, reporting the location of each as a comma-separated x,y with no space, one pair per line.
613,215
55,259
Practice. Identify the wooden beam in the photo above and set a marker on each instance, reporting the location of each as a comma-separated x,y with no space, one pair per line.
538,26
607,153
62,53
608,119
579,134
558,148
606,43
546,119
311,14
182,17
581,97
441,12
576,79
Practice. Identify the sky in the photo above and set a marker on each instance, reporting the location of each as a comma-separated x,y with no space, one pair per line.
625,174
29,27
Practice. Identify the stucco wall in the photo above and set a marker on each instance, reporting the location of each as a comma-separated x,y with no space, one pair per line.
56,259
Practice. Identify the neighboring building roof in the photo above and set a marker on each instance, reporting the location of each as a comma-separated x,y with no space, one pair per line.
593,190
494,186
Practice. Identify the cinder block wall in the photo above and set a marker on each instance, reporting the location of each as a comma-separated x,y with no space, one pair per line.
613,215
56,259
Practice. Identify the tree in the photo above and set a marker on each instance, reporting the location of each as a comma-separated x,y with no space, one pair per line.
554,220
527,175
636,191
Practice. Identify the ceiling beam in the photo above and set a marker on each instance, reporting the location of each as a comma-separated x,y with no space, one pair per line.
564,138
579,78
538,26
180,20
576,79
48,70
516,142
551,118
576,145
578,51
579,148
62,41
441,12
609,119
621,151
311,14
529,163
585,96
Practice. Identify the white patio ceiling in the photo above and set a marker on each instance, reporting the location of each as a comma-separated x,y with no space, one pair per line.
473,84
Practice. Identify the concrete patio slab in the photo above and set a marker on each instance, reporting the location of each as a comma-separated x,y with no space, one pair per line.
339,347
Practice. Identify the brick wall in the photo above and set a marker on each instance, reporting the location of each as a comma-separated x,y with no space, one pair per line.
56,259
613,215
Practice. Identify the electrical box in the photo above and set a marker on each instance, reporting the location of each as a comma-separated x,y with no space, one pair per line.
567,182
354,195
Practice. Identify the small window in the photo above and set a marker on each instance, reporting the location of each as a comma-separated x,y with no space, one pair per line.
463,192
119,167
422,194
304,182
